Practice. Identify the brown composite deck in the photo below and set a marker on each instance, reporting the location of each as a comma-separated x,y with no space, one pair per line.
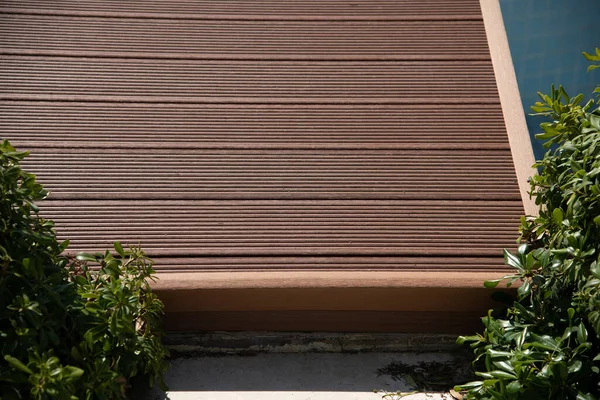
305,165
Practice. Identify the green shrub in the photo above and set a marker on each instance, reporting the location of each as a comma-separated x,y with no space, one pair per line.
547,344
68,331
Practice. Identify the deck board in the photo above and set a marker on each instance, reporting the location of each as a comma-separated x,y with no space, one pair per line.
237,9
284,174
262,126
185,39
271,227
217,81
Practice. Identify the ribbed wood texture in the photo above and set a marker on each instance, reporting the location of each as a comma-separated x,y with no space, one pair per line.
324,126
183,39
264,135
191,81
238,9
285,174
265,228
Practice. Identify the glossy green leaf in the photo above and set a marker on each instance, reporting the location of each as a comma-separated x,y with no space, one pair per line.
499,354
595,121
577,99
544,342
502,374
575,367
491,284
585,396
464,339
468,386
86,257
594,318
119,249
582,333
592,57
514,387
16,363
571,313
512,260
73,372
558,215
525,289
504,366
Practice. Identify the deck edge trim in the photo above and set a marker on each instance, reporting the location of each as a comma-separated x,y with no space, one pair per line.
322,279
510,100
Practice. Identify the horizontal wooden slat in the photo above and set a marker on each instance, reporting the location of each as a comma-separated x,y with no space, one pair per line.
190,39
277,228
223,81
238,9
230,174
219,264
403,282
42,124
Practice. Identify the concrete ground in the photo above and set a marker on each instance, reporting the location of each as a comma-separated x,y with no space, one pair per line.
298,376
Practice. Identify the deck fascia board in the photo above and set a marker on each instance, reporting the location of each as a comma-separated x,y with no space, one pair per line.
510,99
432,301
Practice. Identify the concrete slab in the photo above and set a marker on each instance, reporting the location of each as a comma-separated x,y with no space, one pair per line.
298,376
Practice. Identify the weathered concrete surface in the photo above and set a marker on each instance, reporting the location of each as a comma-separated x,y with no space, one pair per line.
194,344
302,396
281,376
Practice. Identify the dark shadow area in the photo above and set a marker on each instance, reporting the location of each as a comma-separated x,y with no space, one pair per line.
362,372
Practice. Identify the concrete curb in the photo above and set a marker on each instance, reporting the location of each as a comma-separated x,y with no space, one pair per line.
194,344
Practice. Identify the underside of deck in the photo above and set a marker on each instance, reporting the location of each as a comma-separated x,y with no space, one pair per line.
313,165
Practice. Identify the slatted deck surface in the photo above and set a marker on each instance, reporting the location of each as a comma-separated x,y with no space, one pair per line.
264,135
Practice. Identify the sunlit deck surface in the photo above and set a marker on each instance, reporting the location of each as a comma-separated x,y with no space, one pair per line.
308,165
